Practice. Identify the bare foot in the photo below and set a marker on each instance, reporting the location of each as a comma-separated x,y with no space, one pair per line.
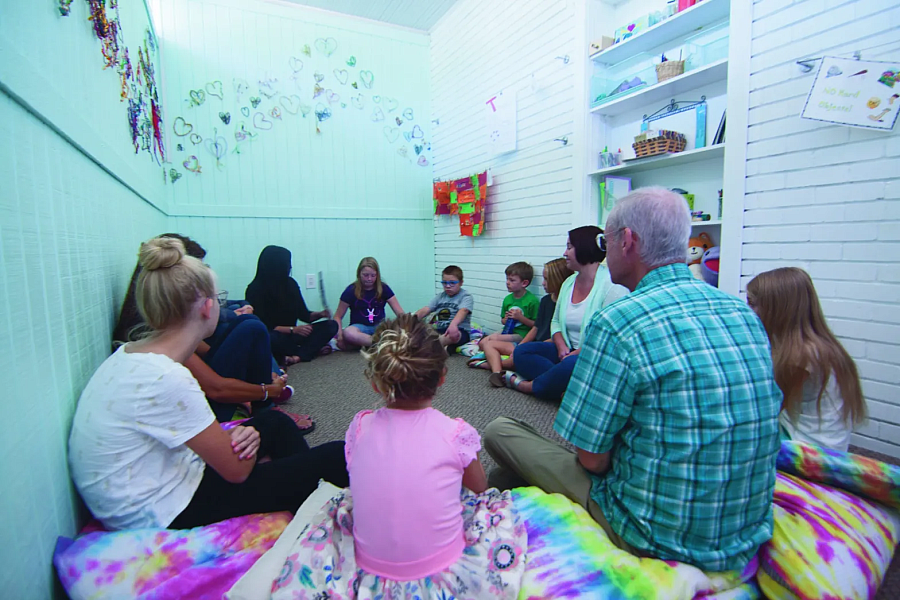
291,360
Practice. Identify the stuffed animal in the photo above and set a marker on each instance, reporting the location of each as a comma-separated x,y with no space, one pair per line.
696,247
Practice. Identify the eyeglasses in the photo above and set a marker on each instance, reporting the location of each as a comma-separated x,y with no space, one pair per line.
449,283
601,238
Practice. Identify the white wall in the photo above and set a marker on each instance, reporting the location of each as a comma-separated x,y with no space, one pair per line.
477,50
331,196
827,198
75,202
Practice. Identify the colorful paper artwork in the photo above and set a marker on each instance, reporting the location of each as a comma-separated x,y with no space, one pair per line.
466,197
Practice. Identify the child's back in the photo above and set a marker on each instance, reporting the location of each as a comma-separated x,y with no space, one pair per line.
406,469
410,525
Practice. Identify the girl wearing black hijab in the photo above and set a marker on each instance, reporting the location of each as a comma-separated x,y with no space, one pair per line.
277,301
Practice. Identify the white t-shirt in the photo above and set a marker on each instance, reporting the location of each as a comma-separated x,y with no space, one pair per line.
126,450
574,316
826,429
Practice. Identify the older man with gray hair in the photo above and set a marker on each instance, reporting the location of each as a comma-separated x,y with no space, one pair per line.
672,407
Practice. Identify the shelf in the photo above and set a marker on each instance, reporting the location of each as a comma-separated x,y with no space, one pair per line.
705,223
700,15
711,73
668,160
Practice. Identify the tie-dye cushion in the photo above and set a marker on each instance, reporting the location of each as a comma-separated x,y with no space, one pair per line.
163,563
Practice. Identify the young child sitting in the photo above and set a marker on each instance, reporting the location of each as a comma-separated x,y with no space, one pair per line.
452,310
494,349
520,305
365,298
822,394
416,521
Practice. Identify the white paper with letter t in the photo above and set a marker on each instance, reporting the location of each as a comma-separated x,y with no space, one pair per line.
858,93
501,123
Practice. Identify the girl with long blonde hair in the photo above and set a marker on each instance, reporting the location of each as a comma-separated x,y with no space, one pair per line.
365,298
823,397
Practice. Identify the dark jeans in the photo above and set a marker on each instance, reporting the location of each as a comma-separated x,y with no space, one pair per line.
307,348
280,484
539,363
464,338
241,351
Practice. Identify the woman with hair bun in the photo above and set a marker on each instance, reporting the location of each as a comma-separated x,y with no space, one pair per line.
145,448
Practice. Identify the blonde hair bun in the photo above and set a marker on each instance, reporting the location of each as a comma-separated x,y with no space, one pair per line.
161,253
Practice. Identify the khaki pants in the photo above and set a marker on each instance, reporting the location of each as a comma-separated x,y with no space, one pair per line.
525,457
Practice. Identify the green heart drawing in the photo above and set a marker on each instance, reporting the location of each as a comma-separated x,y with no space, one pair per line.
367,78
198,97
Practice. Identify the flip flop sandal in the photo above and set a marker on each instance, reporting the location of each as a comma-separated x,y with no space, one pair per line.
496,380
475,363
511,380
297,418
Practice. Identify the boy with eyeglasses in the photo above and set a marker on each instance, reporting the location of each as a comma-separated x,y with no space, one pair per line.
451,310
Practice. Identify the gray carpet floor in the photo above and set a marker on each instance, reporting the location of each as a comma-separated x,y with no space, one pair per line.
333,388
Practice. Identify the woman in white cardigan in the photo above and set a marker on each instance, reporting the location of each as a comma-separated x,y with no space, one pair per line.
544,368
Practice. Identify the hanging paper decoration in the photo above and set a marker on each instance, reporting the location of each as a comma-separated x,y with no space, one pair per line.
466,197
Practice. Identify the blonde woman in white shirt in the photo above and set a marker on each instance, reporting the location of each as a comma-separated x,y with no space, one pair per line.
822,394
145,448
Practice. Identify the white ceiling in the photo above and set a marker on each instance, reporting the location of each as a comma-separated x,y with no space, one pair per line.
417,14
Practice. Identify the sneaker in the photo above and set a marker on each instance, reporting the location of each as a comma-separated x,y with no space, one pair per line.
497,380
286,394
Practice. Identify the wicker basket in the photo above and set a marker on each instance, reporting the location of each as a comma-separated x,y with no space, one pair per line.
658,146
669,69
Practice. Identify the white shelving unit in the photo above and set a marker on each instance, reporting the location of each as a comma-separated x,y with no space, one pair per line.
665,160
678,26
669,88
613,124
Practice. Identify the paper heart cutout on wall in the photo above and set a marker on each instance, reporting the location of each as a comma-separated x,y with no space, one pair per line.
354,86
254,101
181,127
214,88
240,86
390,104
217,147
295,64
241,134
398,121
377,114
418,148
407,135
226,117
417,132
318,77
376,99
195,138
275,113
179,147
291,103
367,78
326,46
305,109
351,62
332,97
305,50
341,75
245,111
422,162
391,133
174,175
192,164
318,90
402,151
198,97
358,101
408,114
261,122
322,112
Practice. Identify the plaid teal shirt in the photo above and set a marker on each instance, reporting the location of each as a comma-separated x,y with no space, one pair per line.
676,380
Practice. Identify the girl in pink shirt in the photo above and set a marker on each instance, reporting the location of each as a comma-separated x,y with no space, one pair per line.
416,521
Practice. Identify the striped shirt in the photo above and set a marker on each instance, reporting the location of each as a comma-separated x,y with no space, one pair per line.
676,381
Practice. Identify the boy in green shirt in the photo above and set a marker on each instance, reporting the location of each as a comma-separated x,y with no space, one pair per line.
520,306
